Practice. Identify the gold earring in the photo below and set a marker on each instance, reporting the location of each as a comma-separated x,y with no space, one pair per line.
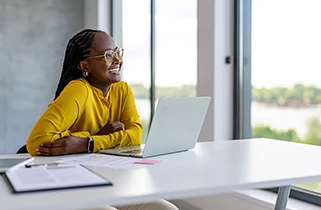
85,73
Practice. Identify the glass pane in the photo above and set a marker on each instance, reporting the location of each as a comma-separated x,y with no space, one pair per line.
136,44
286,85
176,47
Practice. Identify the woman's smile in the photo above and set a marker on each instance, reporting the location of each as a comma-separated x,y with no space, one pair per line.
115,71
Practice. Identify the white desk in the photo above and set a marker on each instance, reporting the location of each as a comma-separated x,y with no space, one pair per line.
211,168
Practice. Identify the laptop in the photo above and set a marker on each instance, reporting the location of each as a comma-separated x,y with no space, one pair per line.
7,164
175,127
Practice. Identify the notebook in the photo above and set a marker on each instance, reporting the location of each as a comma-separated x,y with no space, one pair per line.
175,127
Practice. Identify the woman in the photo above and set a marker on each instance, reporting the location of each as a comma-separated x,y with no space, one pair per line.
92,109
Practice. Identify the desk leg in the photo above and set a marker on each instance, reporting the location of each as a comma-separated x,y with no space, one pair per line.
282,198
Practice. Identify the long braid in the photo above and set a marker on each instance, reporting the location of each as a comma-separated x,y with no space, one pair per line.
76,51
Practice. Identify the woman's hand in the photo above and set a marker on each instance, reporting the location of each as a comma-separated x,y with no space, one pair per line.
64,146
111,128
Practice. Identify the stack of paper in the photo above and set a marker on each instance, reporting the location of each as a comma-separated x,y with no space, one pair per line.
53,177
108,161
99,160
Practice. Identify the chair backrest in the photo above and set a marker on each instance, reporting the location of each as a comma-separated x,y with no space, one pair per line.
22,149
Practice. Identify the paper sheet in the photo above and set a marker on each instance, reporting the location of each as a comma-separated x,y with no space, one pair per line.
100,160
53,177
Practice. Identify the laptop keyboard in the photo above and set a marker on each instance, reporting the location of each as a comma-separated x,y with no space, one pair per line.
134,151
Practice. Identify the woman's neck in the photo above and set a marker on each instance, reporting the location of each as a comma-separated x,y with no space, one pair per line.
103,87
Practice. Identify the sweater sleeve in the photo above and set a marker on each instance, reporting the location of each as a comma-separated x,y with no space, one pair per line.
55,122
133,129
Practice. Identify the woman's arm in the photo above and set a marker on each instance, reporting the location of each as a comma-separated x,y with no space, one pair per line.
56,121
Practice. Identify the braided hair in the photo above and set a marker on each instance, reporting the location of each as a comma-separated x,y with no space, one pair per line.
77,50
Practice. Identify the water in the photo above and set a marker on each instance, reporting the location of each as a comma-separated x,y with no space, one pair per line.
280,118
284,118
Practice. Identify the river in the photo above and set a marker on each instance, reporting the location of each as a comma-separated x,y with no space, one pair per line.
281,118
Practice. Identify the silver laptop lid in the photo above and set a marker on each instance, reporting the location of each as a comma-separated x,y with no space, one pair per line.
176,124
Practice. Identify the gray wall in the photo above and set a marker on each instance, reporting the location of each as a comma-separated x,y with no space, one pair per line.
33,37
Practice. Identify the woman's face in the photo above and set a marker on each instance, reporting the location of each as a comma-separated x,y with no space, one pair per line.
99,70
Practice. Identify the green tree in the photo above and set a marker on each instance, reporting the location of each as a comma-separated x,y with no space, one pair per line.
262,131
297,92
313,135
314,132
140,91
282,95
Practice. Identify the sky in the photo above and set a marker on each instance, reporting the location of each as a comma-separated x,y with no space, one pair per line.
176,39
286,42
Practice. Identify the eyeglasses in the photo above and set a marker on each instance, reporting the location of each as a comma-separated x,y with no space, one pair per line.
110,55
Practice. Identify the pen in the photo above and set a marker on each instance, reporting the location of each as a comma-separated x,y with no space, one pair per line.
41,164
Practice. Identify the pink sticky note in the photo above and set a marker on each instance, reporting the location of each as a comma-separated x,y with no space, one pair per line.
147,161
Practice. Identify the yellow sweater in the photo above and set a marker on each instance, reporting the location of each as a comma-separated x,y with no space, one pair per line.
81,110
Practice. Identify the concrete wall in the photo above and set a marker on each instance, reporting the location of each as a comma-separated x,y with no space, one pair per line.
214,76
33,37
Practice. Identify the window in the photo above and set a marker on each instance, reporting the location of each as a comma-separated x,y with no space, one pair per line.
282,74
136,44
176,48
174,36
